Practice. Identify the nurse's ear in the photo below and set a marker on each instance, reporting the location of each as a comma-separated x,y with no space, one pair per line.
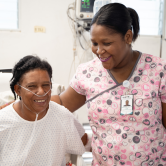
17,89
129,37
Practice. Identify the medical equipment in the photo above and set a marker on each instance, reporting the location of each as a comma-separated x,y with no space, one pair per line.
81,37
84,9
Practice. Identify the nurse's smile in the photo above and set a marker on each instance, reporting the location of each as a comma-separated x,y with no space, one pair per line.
104,59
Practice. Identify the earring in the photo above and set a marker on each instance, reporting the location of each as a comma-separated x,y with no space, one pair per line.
129,43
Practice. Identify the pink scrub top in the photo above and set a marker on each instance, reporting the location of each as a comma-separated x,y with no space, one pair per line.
132,140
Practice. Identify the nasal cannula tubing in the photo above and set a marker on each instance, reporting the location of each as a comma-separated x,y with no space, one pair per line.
32,135
33,92
33,131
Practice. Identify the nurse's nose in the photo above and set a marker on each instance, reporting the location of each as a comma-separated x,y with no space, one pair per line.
100,51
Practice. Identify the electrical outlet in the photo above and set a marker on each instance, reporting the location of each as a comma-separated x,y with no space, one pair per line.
40,29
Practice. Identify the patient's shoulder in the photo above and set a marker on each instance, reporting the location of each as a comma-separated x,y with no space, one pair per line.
59,109
7,117
6,111
62,113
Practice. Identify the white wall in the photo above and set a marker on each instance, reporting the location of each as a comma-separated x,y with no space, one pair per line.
148,44
55,44
164,49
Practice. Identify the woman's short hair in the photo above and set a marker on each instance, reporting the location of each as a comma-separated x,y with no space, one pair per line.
119,18
25,65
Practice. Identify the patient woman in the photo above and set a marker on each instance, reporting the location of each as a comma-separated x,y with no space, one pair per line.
36,131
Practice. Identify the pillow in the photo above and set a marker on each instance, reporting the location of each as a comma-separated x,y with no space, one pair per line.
6,97
5,81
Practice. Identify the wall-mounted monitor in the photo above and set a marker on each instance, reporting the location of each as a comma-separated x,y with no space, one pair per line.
84,9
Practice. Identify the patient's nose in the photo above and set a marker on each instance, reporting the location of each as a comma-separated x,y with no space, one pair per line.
40,91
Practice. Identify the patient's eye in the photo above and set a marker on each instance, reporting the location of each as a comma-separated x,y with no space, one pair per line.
32,86
46,85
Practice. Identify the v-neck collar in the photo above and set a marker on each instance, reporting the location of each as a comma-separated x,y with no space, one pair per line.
130,73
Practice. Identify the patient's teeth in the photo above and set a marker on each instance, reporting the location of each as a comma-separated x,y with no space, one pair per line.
39,101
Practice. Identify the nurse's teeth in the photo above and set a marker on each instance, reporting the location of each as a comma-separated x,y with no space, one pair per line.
104,58
39,101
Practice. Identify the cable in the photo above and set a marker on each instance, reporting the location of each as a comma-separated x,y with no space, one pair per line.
75,20
79,39
77,36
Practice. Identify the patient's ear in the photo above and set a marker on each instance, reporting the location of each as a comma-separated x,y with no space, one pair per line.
17,89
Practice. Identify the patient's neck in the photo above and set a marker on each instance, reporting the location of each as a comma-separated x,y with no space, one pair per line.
26,114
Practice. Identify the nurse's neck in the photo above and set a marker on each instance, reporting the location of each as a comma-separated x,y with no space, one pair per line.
124,69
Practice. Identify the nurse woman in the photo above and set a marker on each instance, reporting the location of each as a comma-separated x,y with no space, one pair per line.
131,135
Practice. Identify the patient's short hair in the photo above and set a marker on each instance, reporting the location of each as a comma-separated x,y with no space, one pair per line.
25,65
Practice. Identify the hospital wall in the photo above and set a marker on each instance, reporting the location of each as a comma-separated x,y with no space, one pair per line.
56,45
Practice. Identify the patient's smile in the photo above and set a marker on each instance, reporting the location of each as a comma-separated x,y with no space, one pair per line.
40,101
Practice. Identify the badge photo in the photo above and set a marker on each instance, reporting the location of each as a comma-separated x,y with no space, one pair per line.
126,105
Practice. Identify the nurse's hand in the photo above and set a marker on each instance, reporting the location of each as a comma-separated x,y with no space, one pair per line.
3,106
84,139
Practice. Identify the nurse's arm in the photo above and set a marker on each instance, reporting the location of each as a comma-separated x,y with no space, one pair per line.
164,114
3,106
70,99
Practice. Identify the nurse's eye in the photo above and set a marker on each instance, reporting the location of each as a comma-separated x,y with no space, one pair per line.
107,44
94,44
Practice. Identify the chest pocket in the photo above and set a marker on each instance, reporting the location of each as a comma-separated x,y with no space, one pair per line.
147,107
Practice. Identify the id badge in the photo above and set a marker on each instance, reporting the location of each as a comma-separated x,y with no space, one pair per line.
126,105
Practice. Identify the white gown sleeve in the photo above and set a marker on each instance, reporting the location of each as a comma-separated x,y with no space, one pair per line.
74,135
72,128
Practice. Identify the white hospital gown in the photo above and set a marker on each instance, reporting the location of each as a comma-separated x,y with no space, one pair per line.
57,133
